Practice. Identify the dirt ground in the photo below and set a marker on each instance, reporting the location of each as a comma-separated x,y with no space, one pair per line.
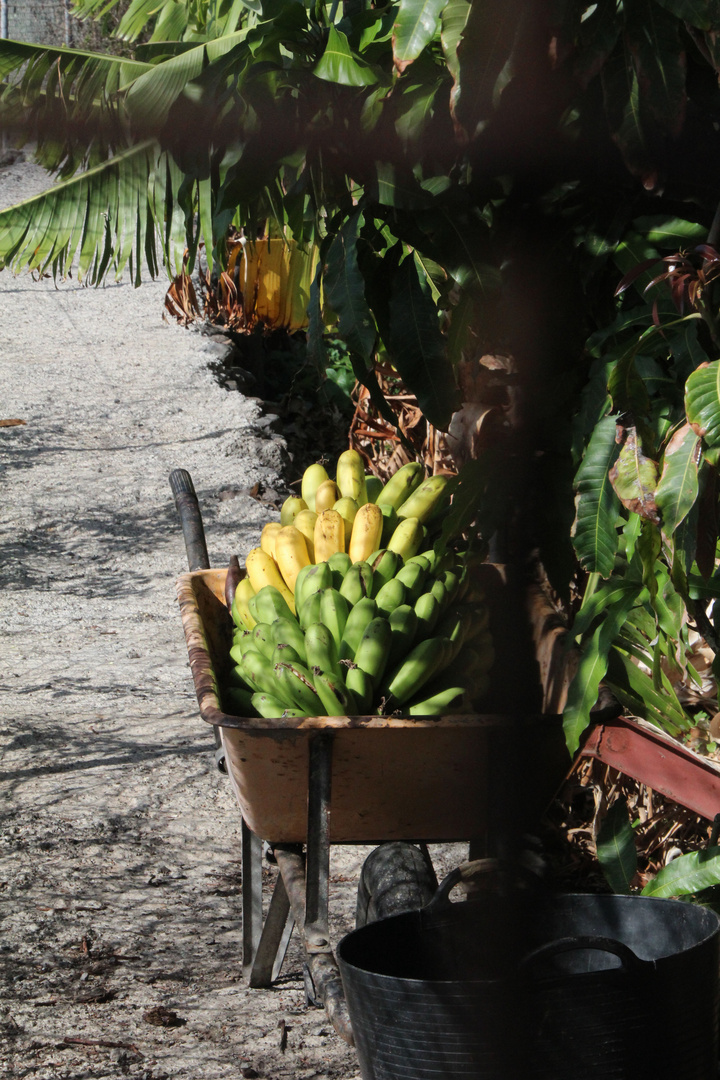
120,862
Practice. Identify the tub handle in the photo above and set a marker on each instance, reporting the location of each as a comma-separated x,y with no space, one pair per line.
630,960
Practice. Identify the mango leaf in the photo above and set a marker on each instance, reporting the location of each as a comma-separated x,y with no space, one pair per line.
415,26
482,52
583,690
634,478
604,596
595,537
705,14
345,291
677,488
417,346
702,402
453,18
339,64
616,849
653,38
621,91
649,545
687,874
670,232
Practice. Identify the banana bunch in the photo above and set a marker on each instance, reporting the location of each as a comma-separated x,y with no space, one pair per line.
381,635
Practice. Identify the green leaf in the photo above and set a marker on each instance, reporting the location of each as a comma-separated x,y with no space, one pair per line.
672,233
654,41
678,486
415,26
454,16
583,690
482,52
604,596
417,347
702,402
595,536
616,849
705,14
687,874
634,478
339,64
345,290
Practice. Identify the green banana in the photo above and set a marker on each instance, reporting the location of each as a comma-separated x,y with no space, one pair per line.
290,509
451,581
413,575
339,564
373,486
237,701
296,682
322,651
385,566
259,674
420,665
391,596
237,652
270,604
262,639
390,522
313,578
310,610
456,626
273,707
360,686
312,478
427,609
336,698
358,618
449,702
357,583
372,652
407,538
439,591
421,502
288,632
333,613
403,623
401,485
285,654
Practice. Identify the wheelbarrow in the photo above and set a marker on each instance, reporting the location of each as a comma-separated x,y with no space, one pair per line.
303,784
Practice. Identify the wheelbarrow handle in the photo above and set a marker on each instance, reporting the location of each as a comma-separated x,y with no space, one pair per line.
190,519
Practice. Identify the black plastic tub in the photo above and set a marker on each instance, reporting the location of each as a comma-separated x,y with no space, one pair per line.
548,988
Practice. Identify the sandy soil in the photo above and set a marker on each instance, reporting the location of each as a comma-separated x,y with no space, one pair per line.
120,871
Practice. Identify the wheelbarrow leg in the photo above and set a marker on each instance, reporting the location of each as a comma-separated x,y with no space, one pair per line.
251,896
274,939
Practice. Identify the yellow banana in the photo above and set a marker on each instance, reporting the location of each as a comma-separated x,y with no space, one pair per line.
326,496
351,477
329,535
291,554
267,537
366,532
313,477
305,522
291,508
263,570
347,508
240,611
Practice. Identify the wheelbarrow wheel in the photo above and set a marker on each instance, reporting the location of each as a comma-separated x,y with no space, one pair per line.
395,877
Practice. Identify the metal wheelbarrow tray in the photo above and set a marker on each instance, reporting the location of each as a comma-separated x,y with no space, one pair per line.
304,783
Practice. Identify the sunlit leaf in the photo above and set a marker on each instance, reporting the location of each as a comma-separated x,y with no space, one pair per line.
677,487
339,64
689,873
595,535
415,26
634,478
702,402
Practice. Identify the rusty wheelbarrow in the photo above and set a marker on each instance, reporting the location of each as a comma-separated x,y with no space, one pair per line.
305,783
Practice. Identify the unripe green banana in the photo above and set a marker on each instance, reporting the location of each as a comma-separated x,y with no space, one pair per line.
451,581
322,651
313,578
259,673
390,522
451,701
288,632
413,576
456,626
312,478
385,566
421,503
285,654
263,639
372,652
339,564
439,591
237,652
240,609
401,485
407,538
273,707
361,687
310,610
350,477
419,667
427,609
403,623
291,508
237,701
373,487
270,604
336,698
357,583
334,611
358,618
391,596
296,682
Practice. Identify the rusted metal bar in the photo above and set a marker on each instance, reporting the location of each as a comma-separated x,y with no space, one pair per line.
251,897
317,871
274,939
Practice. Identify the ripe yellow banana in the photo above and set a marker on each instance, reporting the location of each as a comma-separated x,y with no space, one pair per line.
240,611
347,508
313,477
267,537
329,535
366,532
305,522
263,570
326,496
291,508
291,554
351,477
